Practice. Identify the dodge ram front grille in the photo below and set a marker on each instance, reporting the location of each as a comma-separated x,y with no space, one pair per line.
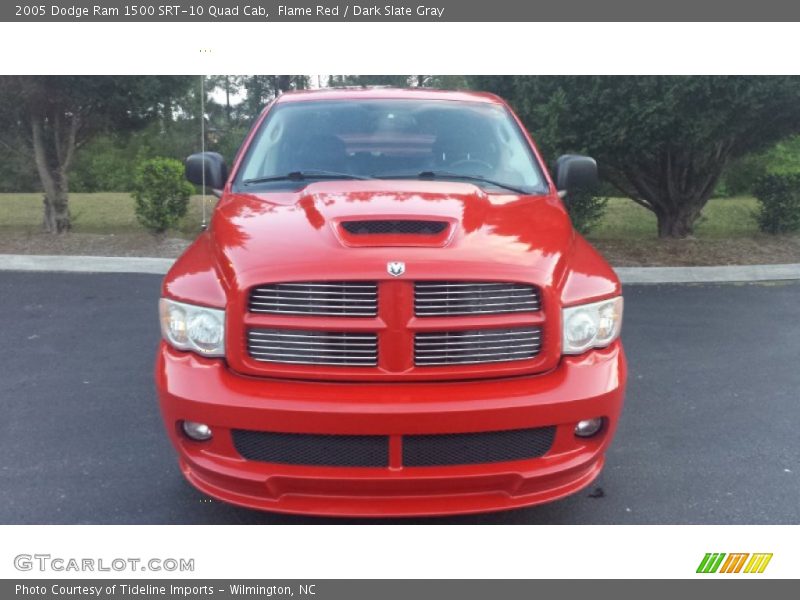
394,227
322,298
428,323
448,298
476,346
303,347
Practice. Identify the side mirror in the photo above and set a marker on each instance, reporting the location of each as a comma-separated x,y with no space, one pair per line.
210,163
573,172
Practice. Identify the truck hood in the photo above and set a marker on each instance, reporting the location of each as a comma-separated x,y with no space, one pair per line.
295,236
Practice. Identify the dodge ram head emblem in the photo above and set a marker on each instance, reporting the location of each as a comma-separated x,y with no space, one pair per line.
396,268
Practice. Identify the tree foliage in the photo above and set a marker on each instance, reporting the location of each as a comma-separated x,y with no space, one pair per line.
161,193
231,86
778,195
442,82
741,174
48,119
663,141
366,80
261,89
585,209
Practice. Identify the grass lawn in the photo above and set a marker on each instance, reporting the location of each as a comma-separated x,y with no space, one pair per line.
91,213
105,224
102,225
726,234
754,250
722,218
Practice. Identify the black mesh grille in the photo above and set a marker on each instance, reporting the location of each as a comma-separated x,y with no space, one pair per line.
387,227
313,449
476,448
442,298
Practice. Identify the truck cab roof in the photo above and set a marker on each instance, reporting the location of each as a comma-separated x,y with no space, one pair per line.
387,93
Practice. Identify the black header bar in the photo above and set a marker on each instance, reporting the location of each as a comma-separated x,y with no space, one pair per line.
397,589
398,10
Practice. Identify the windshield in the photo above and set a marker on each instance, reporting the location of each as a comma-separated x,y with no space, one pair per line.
399,139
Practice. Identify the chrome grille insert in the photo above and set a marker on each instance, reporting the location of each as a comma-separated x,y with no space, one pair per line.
303,347
475,346
447,298
324,298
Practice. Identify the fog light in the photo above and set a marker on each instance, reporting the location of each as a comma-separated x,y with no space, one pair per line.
197,431
589,427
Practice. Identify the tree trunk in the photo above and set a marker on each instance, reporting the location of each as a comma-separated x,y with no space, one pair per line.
56,211
676,188
53,174
228,99
61,222
49,219
677,223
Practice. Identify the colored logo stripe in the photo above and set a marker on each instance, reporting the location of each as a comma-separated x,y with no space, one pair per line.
710,562
733,564
758,563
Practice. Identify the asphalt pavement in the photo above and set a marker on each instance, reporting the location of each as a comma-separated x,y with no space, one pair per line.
710,432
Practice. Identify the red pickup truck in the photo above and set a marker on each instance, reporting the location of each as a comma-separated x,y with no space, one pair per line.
390,314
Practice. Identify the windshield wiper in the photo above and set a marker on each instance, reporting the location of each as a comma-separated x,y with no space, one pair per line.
304,176
448,175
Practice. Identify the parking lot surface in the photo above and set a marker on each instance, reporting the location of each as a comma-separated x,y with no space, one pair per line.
709,433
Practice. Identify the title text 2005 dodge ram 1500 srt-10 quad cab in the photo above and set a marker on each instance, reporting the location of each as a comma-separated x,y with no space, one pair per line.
390,314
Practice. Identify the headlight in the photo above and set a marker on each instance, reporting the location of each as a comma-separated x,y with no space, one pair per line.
591,325
196,328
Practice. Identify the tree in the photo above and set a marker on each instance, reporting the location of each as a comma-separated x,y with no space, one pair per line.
400,81
49,118
442,82
231,85
261,89
663,141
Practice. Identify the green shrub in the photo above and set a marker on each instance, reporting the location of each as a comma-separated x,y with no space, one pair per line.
585,209
161,193
102,166
778,195
741,174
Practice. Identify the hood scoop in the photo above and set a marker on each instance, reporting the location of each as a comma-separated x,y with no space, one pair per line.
395,232
394,227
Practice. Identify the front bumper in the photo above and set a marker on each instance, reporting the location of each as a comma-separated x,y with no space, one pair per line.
205,390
